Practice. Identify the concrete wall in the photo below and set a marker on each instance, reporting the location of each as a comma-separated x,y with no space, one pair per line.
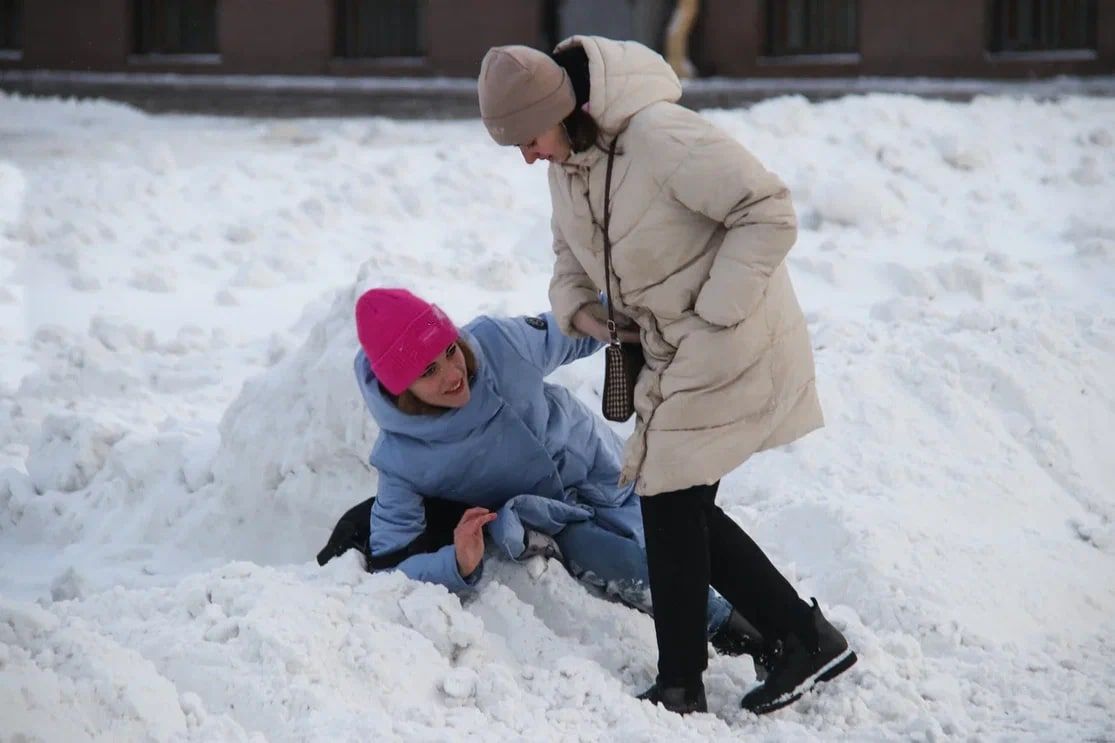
290,37
460,31
67,35
935,38
293,36
940,38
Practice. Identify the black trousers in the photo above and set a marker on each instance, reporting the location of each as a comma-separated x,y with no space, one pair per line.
692,544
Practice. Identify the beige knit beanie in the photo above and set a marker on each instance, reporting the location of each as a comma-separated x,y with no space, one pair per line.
523,92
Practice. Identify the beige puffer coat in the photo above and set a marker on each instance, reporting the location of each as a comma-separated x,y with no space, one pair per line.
700,232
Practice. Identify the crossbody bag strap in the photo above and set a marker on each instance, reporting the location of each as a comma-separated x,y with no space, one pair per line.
612,331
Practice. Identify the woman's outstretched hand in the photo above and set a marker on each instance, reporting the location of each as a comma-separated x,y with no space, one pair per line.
587,324
468,539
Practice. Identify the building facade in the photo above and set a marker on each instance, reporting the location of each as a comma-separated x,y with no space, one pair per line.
732,38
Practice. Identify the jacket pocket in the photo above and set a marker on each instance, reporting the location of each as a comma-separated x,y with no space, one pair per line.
708,383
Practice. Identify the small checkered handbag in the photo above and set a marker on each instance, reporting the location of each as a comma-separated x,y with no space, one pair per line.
622,361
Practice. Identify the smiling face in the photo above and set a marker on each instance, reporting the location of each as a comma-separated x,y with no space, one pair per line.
444,384
551,145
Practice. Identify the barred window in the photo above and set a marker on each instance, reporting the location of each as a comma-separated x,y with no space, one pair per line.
812,27
1042,25
11,25
380,28
175,26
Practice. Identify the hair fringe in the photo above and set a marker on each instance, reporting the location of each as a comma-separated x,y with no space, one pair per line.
409,403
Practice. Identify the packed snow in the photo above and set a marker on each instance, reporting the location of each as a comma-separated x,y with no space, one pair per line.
180,429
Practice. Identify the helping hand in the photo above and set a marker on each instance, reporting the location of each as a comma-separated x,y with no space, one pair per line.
587,324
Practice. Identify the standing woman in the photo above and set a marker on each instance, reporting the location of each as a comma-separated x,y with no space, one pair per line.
699,233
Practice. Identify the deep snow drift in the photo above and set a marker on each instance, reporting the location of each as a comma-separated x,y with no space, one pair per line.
179,429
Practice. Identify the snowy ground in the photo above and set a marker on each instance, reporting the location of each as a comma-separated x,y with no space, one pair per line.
179,430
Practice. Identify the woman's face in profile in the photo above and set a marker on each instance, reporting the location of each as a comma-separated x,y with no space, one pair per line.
551,145
444,384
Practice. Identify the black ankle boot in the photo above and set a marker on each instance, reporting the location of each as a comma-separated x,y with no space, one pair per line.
737,637
816,653
679,699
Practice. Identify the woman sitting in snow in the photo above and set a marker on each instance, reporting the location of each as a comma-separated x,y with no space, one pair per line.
466,417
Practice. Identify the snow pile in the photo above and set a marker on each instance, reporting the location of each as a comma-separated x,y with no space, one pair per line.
12,187
74,681
288,477
180,428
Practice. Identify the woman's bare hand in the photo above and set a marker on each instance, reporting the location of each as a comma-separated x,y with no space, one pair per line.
587,324
468,539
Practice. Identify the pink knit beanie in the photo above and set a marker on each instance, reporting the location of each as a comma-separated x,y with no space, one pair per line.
401,335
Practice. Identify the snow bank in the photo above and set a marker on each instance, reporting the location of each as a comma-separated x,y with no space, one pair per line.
180,429
12,187
310,654
292,453
62,680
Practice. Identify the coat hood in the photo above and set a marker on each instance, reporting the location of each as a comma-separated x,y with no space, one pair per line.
624,78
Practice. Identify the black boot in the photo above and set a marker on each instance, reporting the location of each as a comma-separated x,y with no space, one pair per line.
737,636
679,699
818,652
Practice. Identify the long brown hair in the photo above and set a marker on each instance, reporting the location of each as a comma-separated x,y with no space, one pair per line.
409,403
580,127
583,131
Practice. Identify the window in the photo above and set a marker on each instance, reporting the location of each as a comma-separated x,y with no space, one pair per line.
11,25
175,26
811,27
1042,25
380,28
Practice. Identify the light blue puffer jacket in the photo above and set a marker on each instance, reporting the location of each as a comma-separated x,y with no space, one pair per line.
524,448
